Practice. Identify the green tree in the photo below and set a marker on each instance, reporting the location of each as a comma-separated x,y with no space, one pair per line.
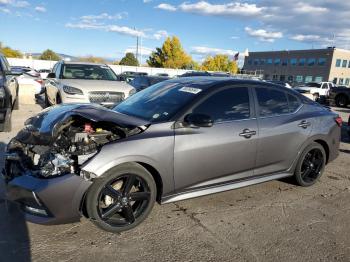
9,52
219,63
49,55
171,55
129,60
93,59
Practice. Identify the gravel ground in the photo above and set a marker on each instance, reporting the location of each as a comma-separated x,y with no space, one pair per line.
274,221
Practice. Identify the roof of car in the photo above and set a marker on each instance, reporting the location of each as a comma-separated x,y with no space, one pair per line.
82,63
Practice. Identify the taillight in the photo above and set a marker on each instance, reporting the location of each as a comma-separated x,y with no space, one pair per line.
39,81
339,121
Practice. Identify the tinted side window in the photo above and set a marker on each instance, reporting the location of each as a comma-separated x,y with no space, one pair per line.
271,102
294,103
228,104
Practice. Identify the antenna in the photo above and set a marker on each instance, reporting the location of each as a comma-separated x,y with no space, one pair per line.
137,45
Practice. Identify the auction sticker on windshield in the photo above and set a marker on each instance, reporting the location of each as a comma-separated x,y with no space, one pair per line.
191,90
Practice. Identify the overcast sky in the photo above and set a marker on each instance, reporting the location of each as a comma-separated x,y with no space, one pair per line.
108,28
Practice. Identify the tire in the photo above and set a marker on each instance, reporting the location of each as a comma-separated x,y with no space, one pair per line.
112,207
58,99
310,169
46,100
7,125
16,104
341,101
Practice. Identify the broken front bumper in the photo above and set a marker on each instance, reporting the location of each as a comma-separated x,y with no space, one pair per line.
48,201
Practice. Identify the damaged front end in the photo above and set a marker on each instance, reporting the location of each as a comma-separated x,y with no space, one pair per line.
43,162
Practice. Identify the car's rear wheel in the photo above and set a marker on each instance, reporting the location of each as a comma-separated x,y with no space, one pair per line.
311,165
341,101
122,198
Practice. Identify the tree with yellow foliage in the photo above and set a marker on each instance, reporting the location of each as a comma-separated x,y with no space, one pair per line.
171,55
9,52
219,63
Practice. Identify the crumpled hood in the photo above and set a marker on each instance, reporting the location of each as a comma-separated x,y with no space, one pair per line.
44,127
98,85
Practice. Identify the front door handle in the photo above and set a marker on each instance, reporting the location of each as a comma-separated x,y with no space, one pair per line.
247,133
304,124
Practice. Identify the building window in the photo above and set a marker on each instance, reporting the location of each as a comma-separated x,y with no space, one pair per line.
250,62
290,78
256,61
345,63
318,79
311,61
262,61
269,61
335,80
302,61
293,61
299,79
282,78
267,77
277,61
308,79
347,81
275,77
341,81
285,62
337,63
321,61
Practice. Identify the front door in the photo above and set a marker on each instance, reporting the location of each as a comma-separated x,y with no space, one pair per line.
221,153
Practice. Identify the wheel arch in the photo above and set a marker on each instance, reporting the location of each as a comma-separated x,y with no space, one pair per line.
325,146
157,179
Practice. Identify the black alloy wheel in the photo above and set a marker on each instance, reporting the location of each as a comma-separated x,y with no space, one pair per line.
122,201
122,198
311,165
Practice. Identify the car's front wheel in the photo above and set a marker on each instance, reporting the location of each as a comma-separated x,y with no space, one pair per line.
122,198
311,165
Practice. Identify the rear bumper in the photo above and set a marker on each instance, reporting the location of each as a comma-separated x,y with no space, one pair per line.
48,201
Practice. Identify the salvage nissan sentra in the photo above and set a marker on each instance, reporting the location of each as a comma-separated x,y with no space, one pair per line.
175,140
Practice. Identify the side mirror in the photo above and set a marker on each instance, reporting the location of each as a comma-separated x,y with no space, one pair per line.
51,75
199,120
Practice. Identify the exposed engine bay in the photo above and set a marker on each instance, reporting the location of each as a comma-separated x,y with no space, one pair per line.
78,139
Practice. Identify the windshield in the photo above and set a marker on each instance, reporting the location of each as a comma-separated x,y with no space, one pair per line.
160,102
88,72
313,85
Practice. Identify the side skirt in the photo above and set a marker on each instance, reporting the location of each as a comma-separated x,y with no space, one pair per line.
221,188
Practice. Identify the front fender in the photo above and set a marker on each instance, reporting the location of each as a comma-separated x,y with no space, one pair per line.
154,147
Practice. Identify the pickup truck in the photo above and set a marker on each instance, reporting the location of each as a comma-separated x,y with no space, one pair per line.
339,96
317,91
8,94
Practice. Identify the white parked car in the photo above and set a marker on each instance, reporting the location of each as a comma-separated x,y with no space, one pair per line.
315,90
77,82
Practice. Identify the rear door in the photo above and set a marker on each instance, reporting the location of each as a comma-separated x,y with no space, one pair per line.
283,128
223,152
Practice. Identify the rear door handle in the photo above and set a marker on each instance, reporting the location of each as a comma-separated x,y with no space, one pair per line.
247,133
304,124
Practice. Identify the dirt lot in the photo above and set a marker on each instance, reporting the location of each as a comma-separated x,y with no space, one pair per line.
275,221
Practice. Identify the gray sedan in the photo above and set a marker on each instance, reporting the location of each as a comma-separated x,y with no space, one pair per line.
175,140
